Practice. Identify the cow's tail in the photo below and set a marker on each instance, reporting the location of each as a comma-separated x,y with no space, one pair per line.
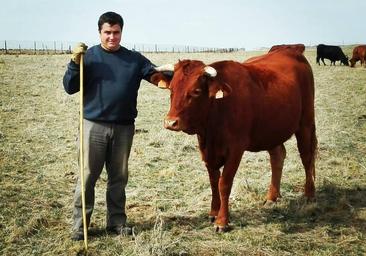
314,149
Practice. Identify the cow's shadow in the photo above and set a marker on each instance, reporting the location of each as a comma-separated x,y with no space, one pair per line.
334,207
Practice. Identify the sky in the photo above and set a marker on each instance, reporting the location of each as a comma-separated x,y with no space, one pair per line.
249,24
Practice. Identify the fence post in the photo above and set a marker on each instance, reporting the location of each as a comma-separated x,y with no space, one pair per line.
54,45
6,49
35,47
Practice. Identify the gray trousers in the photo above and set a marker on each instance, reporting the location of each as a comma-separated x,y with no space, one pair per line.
108,145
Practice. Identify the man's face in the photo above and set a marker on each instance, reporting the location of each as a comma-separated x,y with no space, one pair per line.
110,36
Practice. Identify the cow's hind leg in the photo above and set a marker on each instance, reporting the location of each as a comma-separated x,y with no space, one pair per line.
277,158
307,145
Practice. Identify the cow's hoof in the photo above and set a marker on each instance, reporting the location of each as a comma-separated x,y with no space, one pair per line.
269,203
212,218
222,229
311,200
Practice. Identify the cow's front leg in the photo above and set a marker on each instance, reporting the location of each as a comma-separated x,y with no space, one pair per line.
225,184
222,220
214,175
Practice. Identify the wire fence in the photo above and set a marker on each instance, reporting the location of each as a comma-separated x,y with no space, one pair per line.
65,47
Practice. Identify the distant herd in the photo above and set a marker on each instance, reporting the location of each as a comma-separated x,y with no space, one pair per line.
330,52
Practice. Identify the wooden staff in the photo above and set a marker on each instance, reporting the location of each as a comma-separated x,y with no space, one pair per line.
81,153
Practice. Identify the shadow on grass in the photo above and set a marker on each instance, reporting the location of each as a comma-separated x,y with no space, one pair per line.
96,232
196,221
336,208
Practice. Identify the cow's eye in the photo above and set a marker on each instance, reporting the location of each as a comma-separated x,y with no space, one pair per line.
196,92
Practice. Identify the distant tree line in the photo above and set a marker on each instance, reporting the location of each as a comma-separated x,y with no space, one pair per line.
60,47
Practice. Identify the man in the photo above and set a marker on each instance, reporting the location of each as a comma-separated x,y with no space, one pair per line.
112,79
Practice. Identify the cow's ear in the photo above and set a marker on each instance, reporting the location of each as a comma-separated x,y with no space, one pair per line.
161,79
218,89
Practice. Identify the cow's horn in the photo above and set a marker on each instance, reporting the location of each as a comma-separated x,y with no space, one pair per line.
210,71
166,67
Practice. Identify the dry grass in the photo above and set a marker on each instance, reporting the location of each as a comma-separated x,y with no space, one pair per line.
168,192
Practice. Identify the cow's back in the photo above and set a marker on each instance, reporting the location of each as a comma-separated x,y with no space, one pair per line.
292,47
278,93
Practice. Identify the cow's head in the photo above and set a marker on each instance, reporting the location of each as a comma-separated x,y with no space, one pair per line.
344,60
193,88
353,62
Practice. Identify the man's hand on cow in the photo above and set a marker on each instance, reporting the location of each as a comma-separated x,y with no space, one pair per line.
79,48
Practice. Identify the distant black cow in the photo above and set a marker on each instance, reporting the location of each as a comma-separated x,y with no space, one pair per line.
330,52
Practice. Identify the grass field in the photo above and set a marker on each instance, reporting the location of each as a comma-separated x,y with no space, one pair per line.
168,195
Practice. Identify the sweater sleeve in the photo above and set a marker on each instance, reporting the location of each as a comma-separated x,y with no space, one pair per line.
147,68
71,78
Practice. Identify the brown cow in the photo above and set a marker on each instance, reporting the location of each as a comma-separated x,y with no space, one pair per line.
359,54
296,47
234,107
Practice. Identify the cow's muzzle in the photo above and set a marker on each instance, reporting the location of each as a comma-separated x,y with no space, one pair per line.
172,124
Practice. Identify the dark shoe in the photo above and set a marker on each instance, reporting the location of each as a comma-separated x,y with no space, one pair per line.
122,230
77,235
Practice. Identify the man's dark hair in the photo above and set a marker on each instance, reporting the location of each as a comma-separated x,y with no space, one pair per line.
111,18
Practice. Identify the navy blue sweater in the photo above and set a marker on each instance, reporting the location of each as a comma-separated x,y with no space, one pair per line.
111,83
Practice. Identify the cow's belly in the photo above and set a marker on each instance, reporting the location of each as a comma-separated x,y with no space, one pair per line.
270,132
268,141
